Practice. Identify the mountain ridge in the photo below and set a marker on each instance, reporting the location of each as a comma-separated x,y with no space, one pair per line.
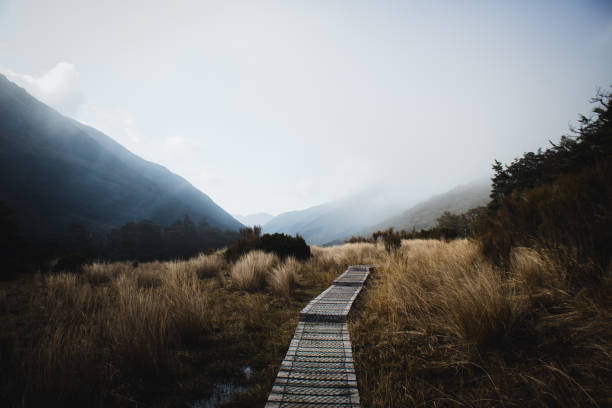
424,214
335,219
260,218
57,171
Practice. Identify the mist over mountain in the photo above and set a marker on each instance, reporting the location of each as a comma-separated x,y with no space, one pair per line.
253,219
55,171
425,214
337,219
371,210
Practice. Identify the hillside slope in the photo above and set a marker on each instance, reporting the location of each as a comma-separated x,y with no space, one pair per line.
425,214
55,171
253,219
335,220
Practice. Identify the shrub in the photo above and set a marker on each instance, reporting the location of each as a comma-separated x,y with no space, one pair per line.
70,263
571,218
559,200
285,245
356,239
281,245
391,239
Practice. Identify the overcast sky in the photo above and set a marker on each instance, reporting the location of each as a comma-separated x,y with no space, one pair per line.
280,105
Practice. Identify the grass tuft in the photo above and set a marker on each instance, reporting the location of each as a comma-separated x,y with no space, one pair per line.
283,278
251,271
440,325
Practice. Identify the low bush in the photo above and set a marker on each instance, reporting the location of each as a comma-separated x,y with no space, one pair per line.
285,246
570,217
558,200
281,245
70,263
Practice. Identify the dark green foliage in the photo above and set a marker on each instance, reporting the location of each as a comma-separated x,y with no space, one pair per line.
392,242
452,226
591,144
559,200
280,244
356,239
449,226
76,246
391,239
12,250
285,245
570,217
249,241
147,241
141,241
70,263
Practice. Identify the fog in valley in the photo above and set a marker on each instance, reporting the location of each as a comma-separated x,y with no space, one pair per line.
279,106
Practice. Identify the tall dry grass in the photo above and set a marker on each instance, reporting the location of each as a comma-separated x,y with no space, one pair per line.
123,333
440,325
328,262
250,272
114,321
349,254
283,278
435,286
208,265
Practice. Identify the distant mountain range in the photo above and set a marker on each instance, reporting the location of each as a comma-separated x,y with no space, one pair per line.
362,214
253,219
425,214
322,224
55,171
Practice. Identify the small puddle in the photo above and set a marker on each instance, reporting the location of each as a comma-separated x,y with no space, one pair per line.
223,392
248,373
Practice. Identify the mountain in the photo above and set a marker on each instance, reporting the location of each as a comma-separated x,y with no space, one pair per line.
55,171
335,220
425,214
253,219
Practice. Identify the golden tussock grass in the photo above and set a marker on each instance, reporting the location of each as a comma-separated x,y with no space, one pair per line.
440,326
437,325
328,262
349,254
153,333
283,278
208,265
113,318
251,271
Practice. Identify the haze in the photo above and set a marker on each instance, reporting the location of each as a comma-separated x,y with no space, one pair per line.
278,106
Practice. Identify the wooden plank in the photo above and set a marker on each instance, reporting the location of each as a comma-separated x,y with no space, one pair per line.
318,369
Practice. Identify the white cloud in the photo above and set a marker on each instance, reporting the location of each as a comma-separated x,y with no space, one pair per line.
117,123
59,87
178,143
181,144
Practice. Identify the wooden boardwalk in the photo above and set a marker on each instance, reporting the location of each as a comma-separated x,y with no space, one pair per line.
318,368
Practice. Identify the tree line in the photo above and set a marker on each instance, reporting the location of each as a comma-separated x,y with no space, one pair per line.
135,241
